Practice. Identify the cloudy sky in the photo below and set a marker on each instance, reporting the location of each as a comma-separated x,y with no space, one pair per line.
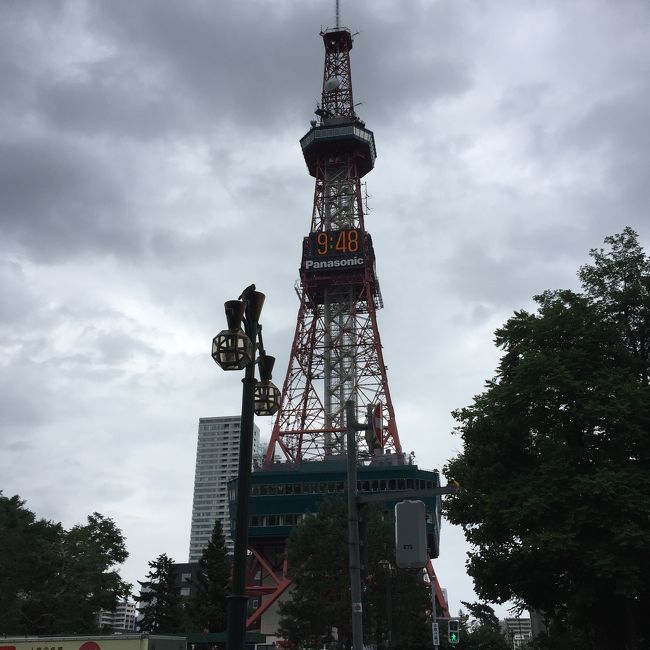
150,169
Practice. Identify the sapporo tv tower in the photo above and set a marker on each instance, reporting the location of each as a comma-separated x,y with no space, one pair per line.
336,353
336,356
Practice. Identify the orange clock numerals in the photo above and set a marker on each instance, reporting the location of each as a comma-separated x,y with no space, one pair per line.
322,243
337,242
353,240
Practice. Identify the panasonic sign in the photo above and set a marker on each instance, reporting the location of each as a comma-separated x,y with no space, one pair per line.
346,262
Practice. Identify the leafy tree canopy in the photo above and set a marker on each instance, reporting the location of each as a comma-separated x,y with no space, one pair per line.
482,636
54,581
555,465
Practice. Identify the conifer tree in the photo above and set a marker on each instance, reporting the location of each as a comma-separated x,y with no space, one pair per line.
207,608
159,601
319,611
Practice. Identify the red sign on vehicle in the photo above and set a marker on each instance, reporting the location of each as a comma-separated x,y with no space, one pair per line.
89,645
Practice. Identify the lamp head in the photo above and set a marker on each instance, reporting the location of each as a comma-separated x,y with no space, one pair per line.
234,313
266,363
255,302
267,398
232,350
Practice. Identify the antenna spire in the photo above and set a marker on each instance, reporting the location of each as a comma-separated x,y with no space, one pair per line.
337,14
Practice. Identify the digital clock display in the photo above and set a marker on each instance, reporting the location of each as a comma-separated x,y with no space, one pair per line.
336,242
334,250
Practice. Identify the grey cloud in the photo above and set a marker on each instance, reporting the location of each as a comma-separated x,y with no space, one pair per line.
16,296
115,348
115,97
617,122
204,55
27,399
523,99
615,130
18,446
273,76
59,197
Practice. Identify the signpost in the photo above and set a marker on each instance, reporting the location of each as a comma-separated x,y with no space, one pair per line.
435,628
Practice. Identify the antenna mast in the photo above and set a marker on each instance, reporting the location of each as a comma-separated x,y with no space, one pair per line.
337,14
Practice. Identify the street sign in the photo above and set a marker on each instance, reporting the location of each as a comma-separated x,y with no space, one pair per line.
436,633
411,535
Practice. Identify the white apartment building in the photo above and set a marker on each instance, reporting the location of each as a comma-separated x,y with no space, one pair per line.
518,631
121,619
217,459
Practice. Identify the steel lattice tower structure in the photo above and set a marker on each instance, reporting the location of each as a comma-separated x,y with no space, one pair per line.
336,353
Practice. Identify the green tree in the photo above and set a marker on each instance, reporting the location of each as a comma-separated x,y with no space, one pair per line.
556,459
54,581
394,601
482,612
87,577
207,608
29,553
159,601
482,636
319,569
483,632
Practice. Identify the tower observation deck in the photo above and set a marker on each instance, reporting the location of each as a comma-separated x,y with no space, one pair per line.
336,355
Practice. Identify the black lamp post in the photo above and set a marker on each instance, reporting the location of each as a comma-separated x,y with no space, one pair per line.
237,349
388,571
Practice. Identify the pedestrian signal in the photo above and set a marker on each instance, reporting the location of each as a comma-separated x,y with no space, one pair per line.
453,631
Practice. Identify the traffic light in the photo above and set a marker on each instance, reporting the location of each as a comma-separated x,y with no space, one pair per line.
453,631
411,535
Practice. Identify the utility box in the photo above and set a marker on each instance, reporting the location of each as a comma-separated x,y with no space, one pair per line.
411,535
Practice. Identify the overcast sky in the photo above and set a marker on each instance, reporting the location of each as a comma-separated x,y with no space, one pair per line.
150,169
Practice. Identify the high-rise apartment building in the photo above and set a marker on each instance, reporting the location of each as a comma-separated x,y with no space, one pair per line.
217,459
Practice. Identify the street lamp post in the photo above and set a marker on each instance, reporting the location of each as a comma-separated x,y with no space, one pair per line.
434,618
237,349
352,426
388,569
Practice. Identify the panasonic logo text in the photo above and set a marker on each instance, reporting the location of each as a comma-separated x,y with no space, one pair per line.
313,265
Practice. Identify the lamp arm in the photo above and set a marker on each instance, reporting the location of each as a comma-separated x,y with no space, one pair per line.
260,345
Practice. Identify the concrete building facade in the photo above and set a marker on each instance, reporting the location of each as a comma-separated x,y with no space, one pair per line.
121,619
186,576
217,460
518,631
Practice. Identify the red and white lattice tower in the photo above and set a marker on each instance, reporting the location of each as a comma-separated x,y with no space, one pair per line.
336,354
